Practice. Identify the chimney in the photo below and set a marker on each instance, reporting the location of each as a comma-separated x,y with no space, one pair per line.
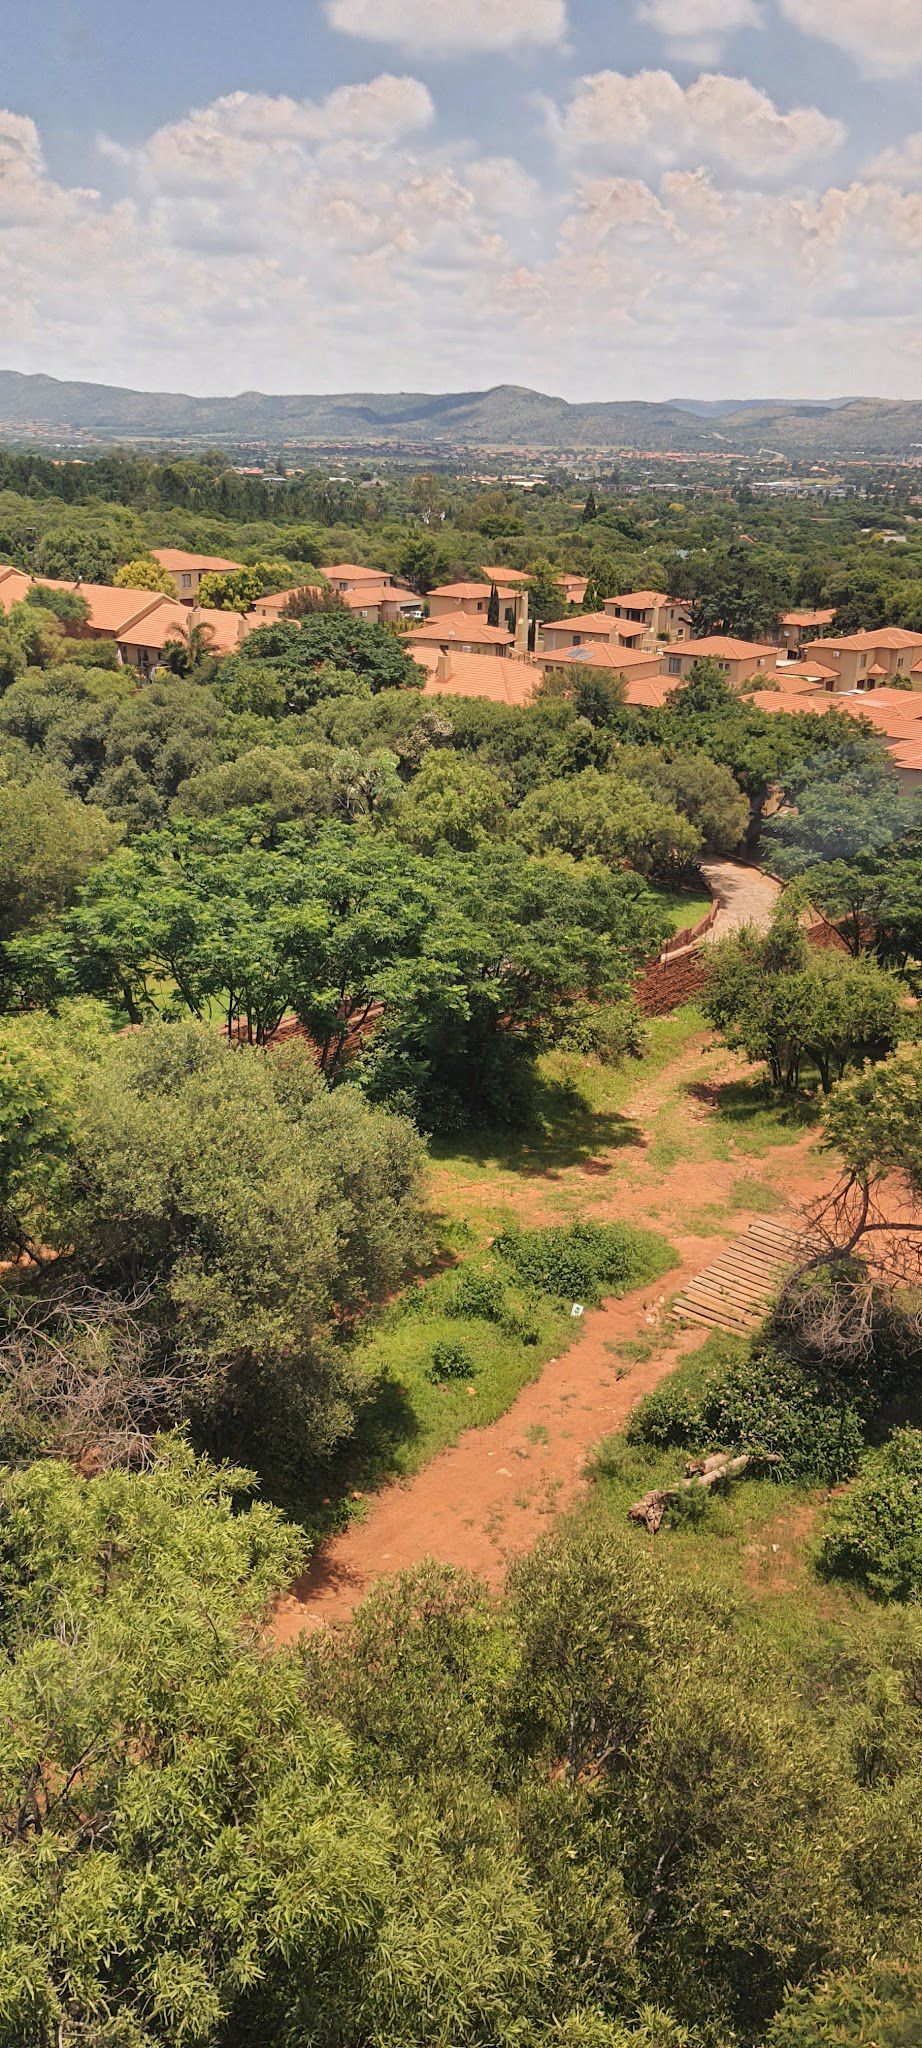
443,666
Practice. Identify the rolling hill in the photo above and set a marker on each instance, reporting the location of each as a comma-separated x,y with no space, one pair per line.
507,417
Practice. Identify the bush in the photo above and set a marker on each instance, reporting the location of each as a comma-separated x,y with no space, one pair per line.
765,1403
584,1261
670,1415
875,1534
479,1294
768,1404
605,1031
451,1361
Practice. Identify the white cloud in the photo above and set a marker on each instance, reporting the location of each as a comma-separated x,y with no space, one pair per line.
902,164
288,245
618,120
697,30
884,37
230,140
450,28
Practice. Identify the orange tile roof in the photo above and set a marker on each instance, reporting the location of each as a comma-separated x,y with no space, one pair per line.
648,692
805,672
824,618
642,600
485,675
908,754
14,585
586,622
458,626
891,637
507,576
112,610
178,559
462,590
720,647
602,654
779,700
352,572
376,593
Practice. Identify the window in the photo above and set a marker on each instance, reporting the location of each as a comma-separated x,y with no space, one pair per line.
675,666
186,580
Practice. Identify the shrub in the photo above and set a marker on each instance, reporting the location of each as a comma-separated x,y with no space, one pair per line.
612,1032
451,1361
584,1261
479,1294
768,1404
670,1415
875,1534
763,1402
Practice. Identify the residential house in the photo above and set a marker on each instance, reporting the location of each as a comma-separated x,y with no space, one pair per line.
346,577
187,570
738,660
474,599
799,627
463,634
862,661
574,587
587,629
141,640
268,609
607,655
662,617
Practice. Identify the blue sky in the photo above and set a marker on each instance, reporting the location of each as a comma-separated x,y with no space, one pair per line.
626,198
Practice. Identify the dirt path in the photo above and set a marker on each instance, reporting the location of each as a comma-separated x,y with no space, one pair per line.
744,894
487,1498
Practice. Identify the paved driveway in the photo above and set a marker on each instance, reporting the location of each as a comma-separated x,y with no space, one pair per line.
744,894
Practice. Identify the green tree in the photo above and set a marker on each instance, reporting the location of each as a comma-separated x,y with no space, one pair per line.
778,1003
453,801
596,816
493,606
266,1215
145,573
188,648
48,843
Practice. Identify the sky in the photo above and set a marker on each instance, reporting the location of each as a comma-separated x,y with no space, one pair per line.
597,198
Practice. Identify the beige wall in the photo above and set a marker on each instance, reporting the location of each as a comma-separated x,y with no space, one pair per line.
676,663
575,635
477,607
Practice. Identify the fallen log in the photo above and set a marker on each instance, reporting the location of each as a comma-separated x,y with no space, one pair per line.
714,1470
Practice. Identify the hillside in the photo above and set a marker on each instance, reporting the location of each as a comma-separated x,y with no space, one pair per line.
506,417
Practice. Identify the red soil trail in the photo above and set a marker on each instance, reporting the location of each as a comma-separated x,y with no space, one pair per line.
487,1498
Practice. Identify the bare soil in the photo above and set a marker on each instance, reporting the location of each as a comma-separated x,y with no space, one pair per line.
487,1498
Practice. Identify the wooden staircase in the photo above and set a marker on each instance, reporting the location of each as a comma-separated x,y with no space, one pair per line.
736,1292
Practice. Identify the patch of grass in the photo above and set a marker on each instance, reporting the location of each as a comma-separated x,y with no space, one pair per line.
414,1410
682,906
578,1127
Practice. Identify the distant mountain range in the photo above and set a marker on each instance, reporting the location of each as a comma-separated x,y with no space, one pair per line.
507,418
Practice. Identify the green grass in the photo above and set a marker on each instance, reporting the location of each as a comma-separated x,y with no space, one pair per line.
682,906
580,1114
757,1545
411,1415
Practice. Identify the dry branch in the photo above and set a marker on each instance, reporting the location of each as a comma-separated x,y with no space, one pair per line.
714,1470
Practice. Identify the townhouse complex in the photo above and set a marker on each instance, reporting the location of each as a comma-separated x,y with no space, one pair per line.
475,638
